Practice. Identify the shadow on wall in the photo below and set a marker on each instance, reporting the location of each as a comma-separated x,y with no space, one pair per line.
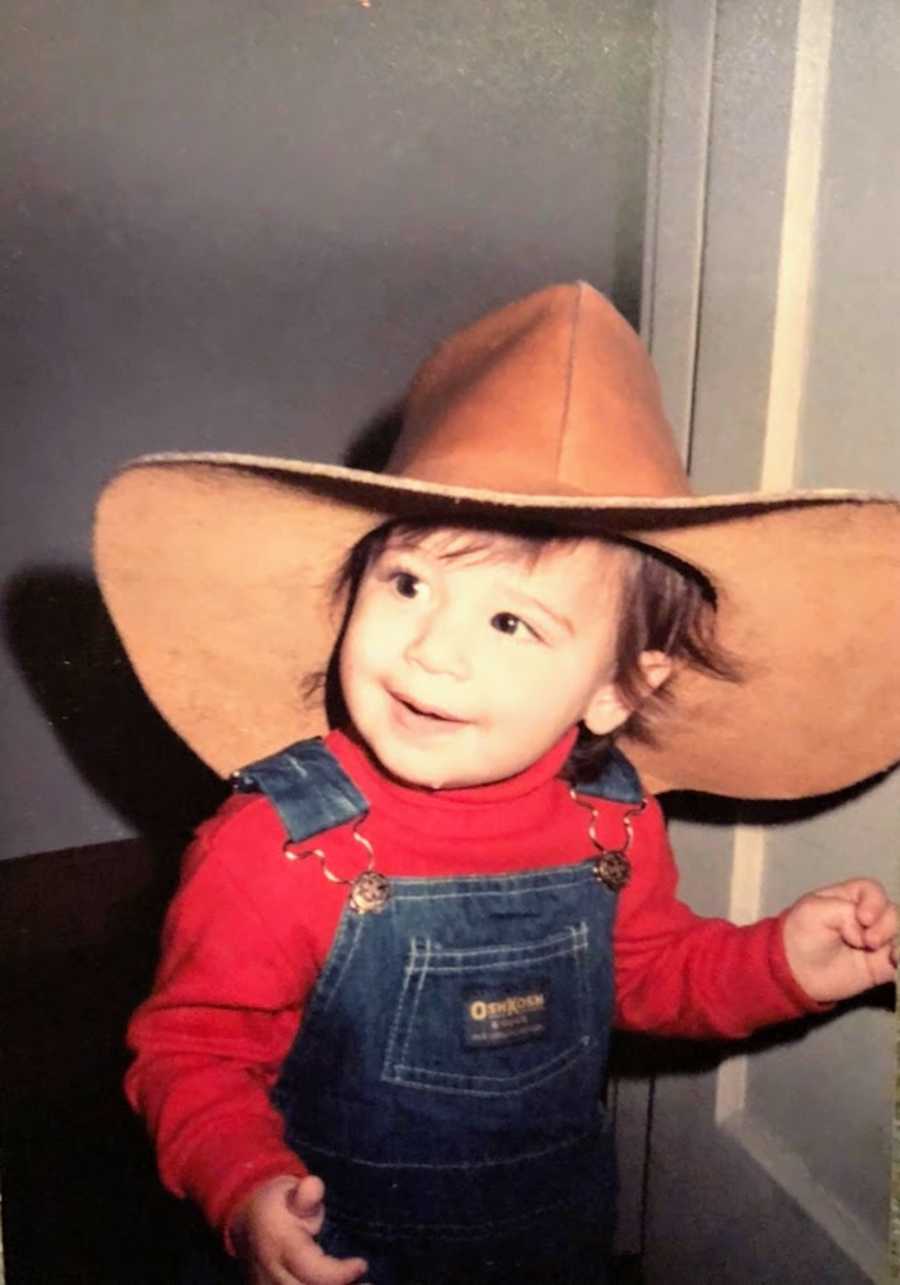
717,810
66,647
372,446
64,643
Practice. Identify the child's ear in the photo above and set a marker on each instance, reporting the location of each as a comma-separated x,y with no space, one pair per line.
656,667
607,710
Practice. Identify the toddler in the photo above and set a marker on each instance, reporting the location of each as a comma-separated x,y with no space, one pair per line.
376,1045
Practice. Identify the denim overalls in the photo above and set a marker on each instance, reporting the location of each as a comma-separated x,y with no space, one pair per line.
446,1080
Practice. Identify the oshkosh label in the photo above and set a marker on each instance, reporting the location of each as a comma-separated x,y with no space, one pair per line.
506,1017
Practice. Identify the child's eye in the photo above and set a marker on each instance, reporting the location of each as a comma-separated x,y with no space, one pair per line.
406,584
507,623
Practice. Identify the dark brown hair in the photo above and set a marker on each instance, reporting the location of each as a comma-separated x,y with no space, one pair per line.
665,606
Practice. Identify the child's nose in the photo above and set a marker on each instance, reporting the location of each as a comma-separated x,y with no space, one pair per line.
439,647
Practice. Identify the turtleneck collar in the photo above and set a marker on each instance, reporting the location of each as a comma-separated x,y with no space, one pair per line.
378,787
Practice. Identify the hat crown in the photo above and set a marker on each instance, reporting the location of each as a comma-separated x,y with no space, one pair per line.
552,395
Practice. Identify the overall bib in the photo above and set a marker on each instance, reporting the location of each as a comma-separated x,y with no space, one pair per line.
446,1079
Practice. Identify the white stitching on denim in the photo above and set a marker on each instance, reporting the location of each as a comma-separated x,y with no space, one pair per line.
513,1081
582,970
452,1231
393,1033
464,1232
571,943
413,1078
566,1143
466,959
414,1003
406,890
564,937
539,957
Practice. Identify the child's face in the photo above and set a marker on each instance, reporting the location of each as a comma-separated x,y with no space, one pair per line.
463,670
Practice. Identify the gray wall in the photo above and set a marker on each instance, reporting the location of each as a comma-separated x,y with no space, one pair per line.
241,225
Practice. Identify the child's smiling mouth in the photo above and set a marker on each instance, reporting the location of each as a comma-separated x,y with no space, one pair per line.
414,715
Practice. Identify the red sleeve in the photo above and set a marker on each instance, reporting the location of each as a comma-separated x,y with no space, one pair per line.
680,974
237,964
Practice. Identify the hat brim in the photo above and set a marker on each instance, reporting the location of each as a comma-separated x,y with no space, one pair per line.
218,570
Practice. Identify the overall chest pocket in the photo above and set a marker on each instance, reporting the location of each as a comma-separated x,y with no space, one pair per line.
490,1020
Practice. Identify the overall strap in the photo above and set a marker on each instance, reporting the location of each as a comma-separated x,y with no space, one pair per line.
616,781
307,787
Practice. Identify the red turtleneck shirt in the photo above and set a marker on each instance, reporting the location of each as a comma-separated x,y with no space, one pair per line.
253,921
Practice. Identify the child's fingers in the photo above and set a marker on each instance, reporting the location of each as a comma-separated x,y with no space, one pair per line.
882,964
835,914
843,919
875,912
308,1264
827,909
306,1200
883,928
866,894
872,910
871,901
312,1266
875,944
840,940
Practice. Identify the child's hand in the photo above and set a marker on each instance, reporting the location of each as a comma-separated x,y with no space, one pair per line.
274,1233
839,940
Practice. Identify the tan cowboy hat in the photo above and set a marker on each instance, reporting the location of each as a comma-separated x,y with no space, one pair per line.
218,568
